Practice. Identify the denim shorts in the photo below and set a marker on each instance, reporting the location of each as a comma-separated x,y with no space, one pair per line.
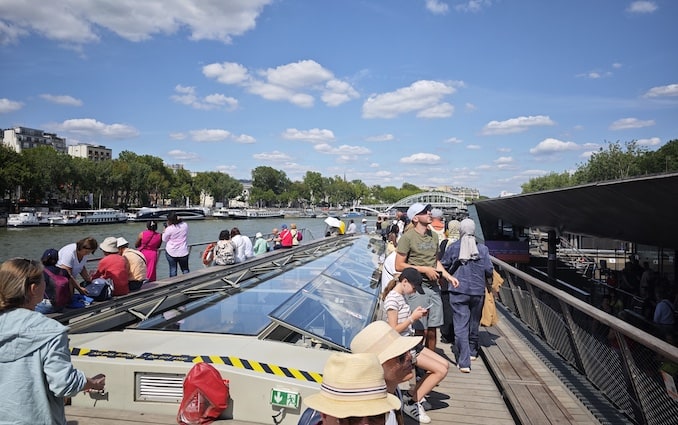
430,297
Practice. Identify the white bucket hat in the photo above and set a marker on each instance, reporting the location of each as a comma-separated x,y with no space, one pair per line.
381,339
353,385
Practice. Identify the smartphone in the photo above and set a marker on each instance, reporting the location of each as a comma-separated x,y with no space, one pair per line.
429,306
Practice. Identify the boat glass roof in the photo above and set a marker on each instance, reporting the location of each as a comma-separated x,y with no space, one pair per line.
329,298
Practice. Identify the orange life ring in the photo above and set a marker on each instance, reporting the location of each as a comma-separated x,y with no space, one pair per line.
208,254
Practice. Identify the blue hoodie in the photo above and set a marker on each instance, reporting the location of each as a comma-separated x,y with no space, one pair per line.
36,372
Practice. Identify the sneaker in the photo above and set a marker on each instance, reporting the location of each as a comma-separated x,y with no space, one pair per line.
474,358
423,417
411,410
465,369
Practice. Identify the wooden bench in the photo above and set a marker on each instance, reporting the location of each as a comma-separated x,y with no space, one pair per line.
527,395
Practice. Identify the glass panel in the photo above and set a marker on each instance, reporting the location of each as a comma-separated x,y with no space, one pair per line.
327,309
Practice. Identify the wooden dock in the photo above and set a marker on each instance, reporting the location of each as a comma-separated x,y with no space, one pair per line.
525,391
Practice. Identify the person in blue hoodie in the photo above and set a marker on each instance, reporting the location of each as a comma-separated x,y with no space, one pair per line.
35,362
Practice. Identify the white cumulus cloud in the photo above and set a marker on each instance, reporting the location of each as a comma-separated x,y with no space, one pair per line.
550,146
297,82
516,125
661,91
423,96
642,7
210,135
275,156
93,128
62,99
315,135
627,123
7,105
79,22
421,158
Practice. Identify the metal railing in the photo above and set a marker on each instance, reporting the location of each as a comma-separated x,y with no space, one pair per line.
626,364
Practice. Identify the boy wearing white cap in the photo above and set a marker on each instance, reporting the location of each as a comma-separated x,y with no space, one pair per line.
418,248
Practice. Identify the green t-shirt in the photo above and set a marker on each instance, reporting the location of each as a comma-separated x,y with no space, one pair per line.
420,250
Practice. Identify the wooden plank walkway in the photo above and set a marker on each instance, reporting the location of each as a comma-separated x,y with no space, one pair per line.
536,394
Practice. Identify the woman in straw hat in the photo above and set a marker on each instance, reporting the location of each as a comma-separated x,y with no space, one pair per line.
353,391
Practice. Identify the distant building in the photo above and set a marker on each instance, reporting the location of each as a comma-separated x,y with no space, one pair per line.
20,138
460,192
91,152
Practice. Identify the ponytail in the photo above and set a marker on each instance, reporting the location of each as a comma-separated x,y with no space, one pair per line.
389,288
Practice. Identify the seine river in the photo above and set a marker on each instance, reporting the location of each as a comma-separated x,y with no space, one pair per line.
31,242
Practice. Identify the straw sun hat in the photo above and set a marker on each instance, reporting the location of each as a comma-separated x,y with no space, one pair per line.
353,385
381,339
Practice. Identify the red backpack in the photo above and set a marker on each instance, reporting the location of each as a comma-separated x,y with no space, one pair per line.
206,395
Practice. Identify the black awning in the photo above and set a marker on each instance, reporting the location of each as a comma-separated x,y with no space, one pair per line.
641,210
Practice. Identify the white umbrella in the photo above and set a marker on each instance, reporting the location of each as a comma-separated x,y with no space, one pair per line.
333,222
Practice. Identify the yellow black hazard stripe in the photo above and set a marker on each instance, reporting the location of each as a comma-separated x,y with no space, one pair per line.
232,361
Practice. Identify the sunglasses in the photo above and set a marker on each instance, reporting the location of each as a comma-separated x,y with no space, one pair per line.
379,419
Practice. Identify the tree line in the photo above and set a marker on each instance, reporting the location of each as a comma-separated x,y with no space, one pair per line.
612,163
41,176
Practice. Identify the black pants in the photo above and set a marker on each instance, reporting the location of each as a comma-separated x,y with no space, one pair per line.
447,329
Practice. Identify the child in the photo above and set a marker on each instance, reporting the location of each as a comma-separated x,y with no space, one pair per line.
400,317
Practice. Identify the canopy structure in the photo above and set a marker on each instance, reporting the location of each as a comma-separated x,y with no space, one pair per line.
642,210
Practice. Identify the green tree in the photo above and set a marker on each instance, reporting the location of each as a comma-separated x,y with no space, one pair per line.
13,171
547,182
315,184
220,186
663,160
611,164
268,178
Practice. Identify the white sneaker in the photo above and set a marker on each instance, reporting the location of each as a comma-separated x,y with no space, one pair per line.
473,358
423,417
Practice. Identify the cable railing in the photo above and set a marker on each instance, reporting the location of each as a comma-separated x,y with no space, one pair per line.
634,369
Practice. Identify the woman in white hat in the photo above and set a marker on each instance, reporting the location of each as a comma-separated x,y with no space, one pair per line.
353,391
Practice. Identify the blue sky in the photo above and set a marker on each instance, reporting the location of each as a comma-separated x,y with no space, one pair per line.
475,93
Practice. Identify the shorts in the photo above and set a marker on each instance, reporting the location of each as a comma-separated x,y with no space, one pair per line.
431,296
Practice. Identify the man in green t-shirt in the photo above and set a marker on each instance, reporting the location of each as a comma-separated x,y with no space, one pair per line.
418,248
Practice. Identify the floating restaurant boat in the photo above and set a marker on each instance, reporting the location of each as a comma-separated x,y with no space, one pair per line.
268,325
248,213
160,214
82,217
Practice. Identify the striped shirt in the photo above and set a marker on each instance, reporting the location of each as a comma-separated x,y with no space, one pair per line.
395,301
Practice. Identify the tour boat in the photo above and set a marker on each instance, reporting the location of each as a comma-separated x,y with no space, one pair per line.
82,217
160,214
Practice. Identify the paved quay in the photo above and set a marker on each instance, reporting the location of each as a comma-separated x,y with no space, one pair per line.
461,398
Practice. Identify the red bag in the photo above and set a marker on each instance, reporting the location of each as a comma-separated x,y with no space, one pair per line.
206,395
300,236
62,288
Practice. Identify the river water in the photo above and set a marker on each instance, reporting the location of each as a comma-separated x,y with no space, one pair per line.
31,242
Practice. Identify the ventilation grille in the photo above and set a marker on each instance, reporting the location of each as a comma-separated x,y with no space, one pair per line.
160,387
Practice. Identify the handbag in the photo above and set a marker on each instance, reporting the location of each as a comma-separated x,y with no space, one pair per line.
489,317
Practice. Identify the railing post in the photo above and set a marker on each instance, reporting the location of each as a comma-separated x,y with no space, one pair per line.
564,308
632,388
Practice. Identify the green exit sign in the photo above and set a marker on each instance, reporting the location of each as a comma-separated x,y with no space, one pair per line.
285,398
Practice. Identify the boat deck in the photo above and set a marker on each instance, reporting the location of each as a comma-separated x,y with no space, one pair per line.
480,397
